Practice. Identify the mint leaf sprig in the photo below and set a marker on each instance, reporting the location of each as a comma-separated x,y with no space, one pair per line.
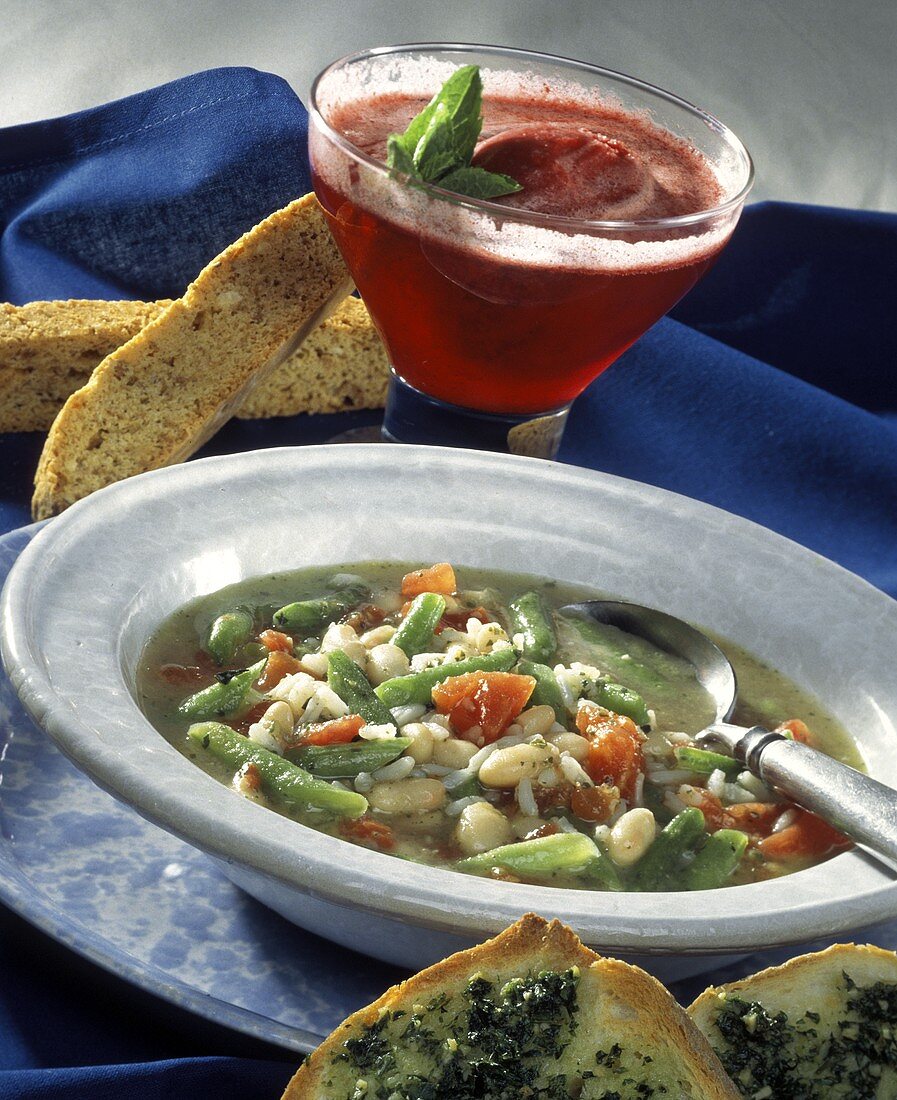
439,143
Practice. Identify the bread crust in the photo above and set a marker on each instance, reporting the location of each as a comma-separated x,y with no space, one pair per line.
790,977
534,943
156,399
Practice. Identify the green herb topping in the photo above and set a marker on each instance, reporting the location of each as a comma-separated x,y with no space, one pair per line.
491,1044
439,143
778,1058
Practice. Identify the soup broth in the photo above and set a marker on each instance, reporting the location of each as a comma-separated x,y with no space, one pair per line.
461,721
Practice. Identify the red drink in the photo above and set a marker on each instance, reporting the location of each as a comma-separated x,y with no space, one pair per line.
514,307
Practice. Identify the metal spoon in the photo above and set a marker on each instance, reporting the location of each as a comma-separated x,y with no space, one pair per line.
855,804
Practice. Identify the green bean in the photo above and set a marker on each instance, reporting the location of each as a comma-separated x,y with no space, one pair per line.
536,858
546,692
226,634
619,699
705,762
416,631
223,697
601,868
469,787
418,687
611,649
716,861
308,616
290,784
530,618
250,653
354,688
665,854
338,761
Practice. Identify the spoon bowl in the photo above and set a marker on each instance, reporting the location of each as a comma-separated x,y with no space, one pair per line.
854,803
675,636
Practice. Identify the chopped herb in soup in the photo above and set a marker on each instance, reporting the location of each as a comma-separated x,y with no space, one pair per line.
464,722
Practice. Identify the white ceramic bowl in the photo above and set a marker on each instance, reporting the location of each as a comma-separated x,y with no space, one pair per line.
94,585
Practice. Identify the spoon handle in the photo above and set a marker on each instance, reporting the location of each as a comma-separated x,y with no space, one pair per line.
855,804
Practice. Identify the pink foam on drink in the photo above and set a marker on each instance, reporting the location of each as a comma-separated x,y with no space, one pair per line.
654,175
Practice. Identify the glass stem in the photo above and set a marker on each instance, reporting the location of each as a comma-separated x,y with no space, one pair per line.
415,417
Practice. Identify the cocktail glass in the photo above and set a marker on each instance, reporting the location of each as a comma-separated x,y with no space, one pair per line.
495,318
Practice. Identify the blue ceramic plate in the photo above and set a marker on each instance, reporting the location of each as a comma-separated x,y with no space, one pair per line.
98,878
130,897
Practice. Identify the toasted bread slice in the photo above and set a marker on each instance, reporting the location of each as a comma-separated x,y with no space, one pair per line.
50,349
820,1026
157,398
531,1013
340,367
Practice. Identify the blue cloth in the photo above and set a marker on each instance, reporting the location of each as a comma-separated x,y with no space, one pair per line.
767,392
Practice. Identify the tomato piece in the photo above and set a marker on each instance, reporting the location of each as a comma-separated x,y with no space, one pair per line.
615,750
809,835
798,730
279,664
754,818
457,620
339,731
710,806
276,642
552,798
594,803
437,578
488,700
366,829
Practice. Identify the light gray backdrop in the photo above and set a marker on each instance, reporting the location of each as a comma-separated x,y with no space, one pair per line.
809,85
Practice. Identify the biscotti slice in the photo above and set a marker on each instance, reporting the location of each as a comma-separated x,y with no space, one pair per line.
820,1027
531,1013
157,398
49,349
341,366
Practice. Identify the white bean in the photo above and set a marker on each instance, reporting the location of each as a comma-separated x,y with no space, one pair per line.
577,746
536,720
506,767
385,661
407,796
481,828
377,636
631,836
421,747
453,753
342,636
524,824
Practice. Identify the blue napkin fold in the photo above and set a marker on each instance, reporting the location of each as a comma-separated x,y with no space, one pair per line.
767,392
